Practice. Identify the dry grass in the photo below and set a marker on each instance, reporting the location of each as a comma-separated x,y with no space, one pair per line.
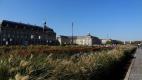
32,65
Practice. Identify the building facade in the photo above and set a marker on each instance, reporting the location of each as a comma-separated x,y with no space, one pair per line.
87,40
14,33
110,41
104,41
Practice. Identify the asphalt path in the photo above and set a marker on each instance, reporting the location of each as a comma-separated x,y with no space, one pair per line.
136,69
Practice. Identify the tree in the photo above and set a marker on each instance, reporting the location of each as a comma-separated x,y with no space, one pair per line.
109,42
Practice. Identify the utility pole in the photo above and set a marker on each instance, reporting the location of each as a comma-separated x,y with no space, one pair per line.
72,32
107,36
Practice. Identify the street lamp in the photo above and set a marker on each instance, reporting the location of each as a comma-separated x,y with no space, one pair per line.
0,35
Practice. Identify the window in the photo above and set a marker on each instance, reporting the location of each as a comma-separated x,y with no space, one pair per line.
4,35
32,36
17,36
39,37
8,35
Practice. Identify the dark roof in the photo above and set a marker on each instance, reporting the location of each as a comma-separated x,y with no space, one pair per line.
21,25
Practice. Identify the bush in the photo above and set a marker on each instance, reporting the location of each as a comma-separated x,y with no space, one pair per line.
4,74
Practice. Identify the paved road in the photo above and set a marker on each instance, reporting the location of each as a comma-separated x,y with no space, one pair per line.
136,69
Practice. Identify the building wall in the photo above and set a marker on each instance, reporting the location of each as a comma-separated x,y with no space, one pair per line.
96,41
104,41
64,40
79,40
20,33
84,40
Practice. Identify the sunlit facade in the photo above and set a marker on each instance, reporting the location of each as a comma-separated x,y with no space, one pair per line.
87,40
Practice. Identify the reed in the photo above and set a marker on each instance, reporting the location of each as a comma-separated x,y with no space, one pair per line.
33,62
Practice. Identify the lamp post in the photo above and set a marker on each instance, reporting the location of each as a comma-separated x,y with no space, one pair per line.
1,40
72,33
0,36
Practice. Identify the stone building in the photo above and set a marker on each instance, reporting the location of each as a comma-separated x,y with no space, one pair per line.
87,40
64,40
104,41
110,41
14,33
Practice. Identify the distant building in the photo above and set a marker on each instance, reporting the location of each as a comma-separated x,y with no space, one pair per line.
132,42
117,42
104,41
14,33
87,40
110,41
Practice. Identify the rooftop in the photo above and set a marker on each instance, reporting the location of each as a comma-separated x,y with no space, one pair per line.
12,23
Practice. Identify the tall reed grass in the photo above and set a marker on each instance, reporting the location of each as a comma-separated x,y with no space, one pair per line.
22,64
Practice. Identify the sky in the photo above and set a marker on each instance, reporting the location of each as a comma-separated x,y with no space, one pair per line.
115,19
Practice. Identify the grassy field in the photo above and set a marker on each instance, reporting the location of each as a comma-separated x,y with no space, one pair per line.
61,63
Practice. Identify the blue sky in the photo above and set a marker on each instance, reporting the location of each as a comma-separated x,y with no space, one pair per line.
116,19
